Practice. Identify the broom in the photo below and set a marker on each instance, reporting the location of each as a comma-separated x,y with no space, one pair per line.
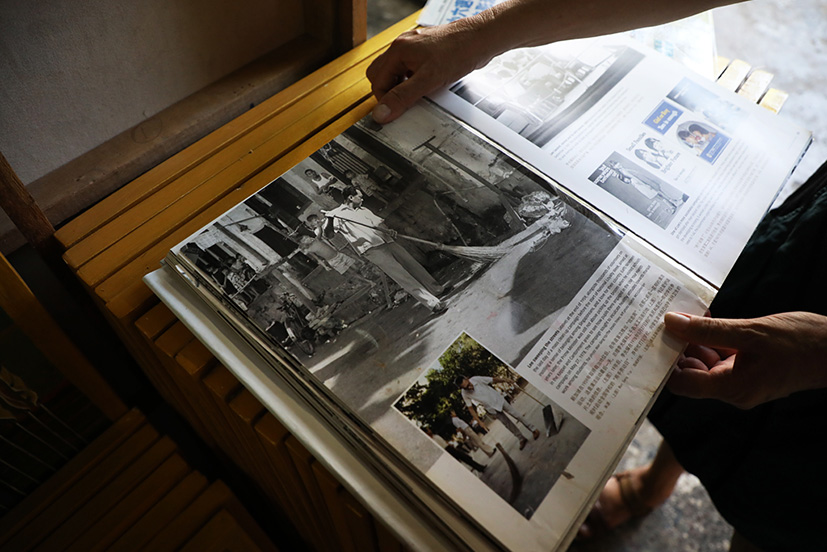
472,252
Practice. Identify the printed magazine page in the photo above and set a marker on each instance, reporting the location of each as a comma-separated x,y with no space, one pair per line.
687,166
498,336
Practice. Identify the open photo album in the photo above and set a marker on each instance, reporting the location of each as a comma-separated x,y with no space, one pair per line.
473,294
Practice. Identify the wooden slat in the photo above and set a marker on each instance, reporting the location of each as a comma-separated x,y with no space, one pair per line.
756,85
77,468
190,365
156,321
194,358
774,100
721,63
125,236
191,519
224,534
161,514
303,461
734,75
385,539
247,410
180,391
220,386
86,487
174,339
241,410
134,300
128,511
108,497
353,23
330,489
299,508
360,523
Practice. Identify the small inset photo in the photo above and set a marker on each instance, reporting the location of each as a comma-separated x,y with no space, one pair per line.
704,140
493,422
639,189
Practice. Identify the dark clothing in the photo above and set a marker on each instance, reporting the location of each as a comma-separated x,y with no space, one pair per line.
463,456
764,467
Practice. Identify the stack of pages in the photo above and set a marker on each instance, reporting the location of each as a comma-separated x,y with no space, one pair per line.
471,297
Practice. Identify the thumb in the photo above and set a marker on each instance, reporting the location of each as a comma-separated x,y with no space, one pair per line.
712,332
398,99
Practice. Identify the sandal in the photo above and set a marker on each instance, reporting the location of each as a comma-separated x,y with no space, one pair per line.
596,522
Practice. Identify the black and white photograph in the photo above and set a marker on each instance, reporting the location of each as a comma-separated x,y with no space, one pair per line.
539,92
660,151
365,263
639,189
494,423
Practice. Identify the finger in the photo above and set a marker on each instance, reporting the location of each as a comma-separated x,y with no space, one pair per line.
398,99
732,334
693,363
384,73
694,383
706,355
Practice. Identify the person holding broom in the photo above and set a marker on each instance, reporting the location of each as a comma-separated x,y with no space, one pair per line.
371,239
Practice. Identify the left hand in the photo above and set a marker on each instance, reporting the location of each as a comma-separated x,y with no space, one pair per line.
746,362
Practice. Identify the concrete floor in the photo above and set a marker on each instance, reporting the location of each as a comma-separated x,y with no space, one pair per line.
789,39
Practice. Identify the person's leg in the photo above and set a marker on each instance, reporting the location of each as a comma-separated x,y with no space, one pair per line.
415,269
384,257
506,421
477,440
634,492
509,408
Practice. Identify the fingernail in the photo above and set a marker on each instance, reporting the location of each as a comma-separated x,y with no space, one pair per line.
381,113
676,321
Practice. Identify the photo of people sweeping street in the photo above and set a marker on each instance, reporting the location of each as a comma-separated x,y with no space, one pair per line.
502,428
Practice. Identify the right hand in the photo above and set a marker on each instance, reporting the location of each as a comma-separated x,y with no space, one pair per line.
421,61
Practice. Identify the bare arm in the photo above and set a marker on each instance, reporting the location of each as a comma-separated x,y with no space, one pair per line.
423,60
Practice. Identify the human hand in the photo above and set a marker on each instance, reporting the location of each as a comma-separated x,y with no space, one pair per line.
423,60
746,362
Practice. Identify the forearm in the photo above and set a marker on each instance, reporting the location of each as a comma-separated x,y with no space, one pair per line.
425,59
523,23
